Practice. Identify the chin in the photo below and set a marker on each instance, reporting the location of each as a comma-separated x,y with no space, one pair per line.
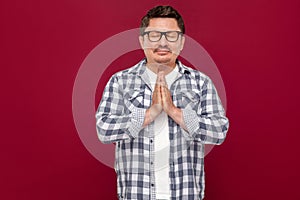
162,59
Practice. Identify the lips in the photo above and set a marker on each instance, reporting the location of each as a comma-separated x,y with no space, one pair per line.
162,51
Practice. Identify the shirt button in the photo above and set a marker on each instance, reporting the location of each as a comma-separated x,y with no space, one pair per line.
151,163
152,184
151,141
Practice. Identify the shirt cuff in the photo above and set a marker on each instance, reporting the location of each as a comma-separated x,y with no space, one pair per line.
190,119
137,120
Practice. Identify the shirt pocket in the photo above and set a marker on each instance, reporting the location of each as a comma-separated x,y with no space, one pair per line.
187,99
134,98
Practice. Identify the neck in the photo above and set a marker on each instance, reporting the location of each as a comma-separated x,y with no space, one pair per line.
157,67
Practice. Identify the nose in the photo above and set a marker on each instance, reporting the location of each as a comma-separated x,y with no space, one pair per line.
163,40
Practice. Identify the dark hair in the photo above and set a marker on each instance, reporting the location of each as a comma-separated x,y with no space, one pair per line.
162,12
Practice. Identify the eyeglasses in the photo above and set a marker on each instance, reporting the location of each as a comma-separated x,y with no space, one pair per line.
155,36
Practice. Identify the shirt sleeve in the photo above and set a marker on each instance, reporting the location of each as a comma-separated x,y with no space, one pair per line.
208,123
115,119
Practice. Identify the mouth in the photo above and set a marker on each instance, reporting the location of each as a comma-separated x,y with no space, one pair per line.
162,51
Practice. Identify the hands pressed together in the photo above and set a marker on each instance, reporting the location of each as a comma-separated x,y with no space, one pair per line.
162,101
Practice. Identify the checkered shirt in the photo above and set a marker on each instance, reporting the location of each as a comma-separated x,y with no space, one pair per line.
119,120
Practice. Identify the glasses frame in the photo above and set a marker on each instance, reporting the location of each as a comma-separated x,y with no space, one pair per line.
179,33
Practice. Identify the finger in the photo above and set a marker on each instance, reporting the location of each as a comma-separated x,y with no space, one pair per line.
162,80
160,72
160,76
164,93
165,98
157,91
157,87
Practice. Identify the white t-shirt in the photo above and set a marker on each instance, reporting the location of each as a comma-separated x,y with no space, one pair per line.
162,142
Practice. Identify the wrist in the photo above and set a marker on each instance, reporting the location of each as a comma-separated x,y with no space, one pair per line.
177,115
154,111
172,111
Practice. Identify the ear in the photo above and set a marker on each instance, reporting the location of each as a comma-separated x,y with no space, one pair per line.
141,40
182,41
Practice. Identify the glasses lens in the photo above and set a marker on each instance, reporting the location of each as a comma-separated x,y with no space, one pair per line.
154,36
172,36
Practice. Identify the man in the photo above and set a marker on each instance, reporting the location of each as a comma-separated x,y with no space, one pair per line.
160,114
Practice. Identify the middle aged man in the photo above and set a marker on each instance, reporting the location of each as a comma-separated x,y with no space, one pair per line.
160,114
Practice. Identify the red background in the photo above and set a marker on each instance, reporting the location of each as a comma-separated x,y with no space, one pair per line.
255,45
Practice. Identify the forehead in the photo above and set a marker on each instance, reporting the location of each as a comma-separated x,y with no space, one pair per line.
163,24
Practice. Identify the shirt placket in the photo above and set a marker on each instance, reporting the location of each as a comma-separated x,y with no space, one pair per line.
152,157
151,140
